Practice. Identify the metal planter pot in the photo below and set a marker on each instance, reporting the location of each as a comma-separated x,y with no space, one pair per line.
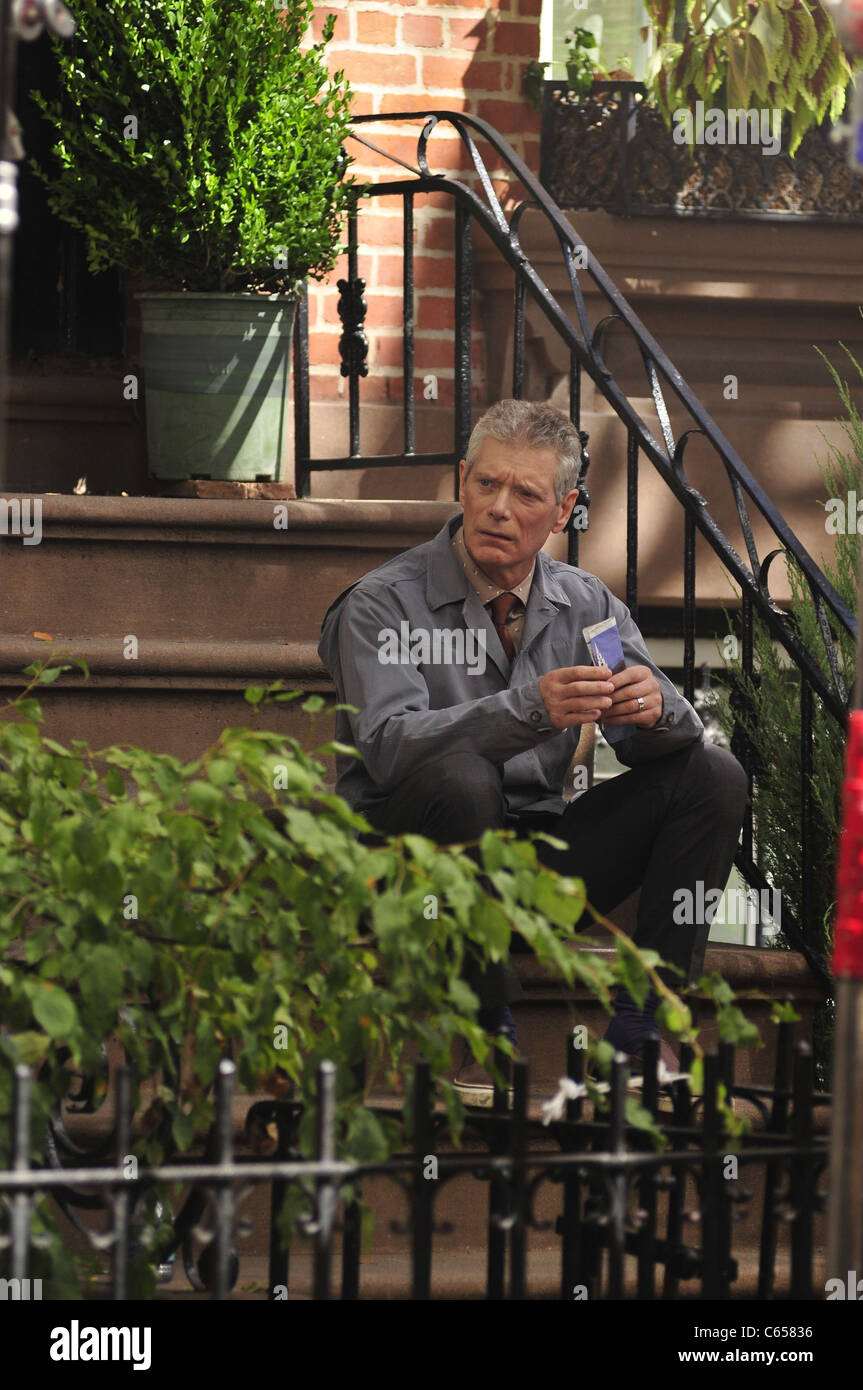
216,376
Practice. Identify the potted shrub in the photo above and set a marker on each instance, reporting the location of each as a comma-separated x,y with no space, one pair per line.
198,146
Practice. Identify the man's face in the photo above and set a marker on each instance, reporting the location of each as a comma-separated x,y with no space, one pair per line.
510,508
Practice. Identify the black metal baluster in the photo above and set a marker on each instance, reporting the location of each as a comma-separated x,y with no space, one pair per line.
518,338
776,1124
647,1189
569,1223
710,1187
279,1252
802,1192
423,1190
351,1251
727,1059
677,1194
575,388
518,1155
121,1203
302,423
352,1220
326,1194
806,702
616,1183
22,1200
463,320
353,344
573,534
498,1188
632,524
689,609
224,1196
408,339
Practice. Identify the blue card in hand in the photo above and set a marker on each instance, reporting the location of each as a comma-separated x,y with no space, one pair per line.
605,647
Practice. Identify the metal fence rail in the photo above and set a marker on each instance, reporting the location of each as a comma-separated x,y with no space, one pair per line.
820,675
623,1205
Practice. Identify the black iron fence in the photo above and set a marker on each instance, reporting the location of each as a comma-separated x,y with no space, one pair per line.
632,1221
585,339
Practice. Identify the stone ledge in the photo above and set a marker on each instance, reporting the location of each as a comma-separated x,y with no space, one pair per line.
744,967
89,516
162,657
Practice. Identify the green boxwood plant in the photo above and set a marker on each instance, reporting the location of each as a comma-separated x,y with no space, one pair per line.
198,143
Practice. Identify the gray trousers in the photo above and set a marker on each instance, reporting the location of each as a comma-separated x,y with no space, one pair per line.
662,826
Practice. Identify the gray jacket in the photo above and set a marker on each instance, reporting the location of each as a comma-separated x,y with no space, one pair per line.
411,646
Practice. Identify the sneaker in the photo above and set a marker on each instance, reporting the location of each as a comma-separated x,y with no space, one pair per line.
473,1083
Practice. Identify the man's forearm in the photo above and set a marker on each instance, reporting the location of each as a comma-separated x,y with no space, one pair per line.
497,726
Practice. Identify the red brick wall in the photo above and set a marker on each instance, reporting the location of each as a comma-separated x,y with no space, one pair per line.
409,55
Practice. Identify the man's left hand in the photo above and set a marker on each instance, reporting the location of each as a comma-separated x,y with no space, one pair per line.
629,684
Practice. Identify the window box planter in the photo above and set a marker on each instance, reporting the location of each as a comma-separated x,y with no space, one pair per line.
611,150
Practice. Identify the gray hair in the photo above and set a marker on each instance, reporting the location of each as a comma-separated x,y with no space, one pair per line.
537,426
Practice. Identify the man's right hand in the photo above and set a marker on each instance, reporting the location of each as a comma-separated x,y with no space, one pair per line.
576,694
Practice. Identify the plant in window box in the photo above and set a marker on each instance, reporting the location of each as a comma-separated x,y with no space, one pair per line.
200,148
582,61
781,55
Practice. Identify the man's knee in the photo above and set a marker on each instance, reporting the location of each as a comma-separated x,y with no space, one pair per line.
721,778
465,797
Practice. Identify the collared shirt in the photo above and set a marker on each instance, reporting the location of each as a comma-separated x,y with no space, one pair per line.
488,590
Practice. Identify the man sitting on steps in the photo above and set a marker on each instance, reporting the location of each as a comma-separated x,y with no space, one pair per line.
451,748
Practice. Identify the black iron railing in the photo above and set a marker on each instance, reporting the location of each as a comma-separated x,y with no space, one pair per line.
632,1221
585,338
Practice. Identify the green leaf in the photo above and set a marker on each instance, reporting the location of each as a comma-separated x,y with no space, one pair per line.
755,70
51,674
254,694
561,900
463,999
800,37
221,771
768,27
54,1010
30,1048
114,784
204,798
490,926
639,1118
102,975
366,1139
183,1130
675,1017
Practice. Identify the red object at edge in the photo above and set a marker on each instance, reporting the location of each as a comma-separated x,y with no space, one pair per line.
848,940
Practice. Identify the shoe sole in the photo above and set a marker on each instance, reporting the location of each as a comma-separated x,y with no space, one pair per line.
479,1097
